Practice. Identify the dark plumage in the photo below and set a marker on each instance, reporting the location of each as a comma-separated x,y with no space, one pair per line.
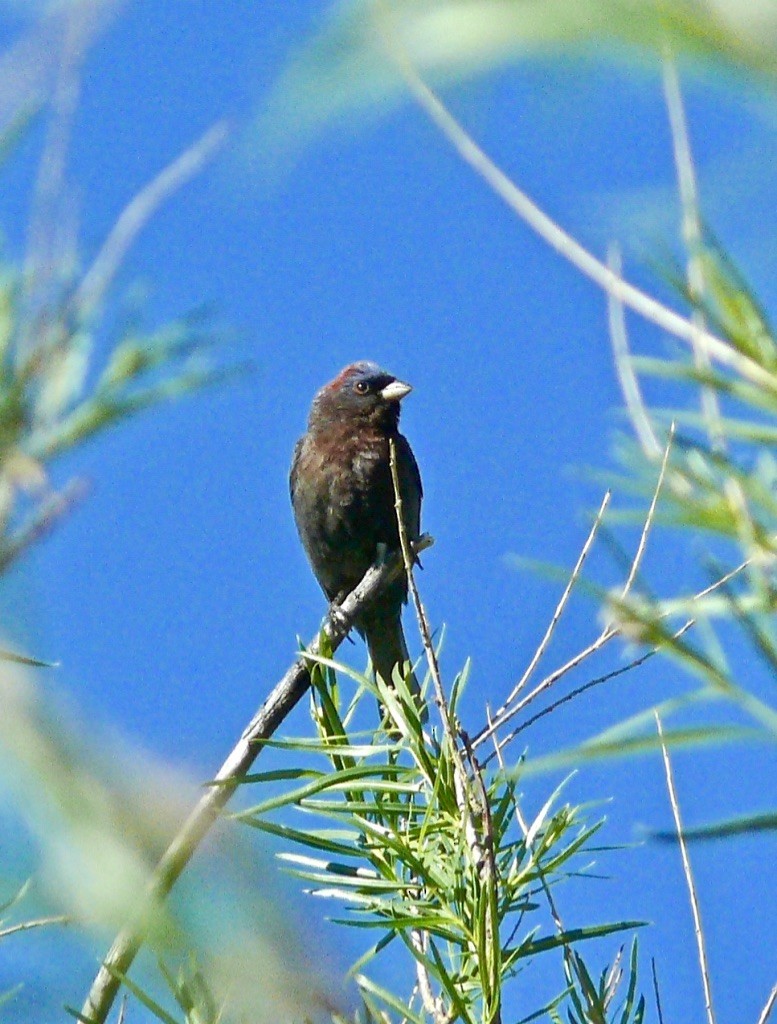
343,497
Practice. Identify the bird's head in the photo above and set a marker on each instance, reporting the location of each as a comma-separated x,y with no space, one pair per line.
363,392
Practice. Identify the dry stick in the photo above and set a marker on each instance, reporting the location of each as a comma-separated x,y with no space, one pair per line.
40,922
482,849
434,1005
407,561
567,246
649,518
560,606
629,382
700,943
276,707
578,690
770,1004
507,712
139,210
51,511
615,672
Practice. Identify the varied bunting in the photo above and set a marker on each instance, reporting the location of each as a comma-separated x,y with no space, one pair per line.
343,498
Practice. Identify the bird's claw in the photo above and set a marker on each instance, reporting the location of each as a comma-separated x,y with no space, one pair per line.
338,619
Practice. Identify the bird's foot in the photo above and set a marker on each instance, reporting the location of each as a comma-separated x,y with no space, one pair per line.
340,623
381,553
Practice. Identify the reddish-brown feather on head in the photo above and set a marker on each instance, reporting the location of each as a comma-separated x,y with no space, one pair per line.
362,391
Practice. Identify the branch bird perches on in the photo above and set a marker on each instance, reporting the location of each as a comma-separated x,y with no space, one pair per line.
282,699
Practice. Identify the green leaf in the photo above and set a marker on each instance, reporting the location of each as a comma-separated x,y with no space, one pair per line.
640,745
744,825
142,996
389,999
23,659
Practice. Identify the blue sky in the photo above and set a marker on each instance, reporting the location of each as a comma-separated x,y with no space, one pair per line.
173,597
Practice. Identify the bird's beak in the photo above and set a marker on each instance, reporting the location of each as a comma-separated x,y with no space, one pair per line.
395,391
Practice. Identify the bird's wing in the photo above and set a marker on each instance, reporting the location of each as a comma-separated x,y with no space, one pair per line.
293,470
412,489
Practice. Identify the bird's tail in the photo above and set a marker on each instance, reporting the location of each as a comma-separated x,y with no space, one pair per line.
386,644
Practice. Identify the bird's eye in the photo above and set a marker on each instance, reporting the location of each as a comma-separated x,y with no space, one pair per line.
361,387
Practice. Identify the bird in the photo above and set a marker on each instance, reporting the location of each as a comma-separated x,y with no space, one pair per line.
343,499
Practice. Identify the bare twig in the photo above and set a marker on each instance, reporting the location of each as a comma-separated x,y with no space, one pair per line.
433,1004
39,922
122,1010
591,649
771,1002
137,213
650,517
480,841
49,513
423,622
543,646
699,932
273,711
582,655
512,707
629,382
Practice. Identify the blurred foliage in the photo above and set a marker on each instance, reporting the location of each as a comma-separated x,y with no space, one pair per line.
720,484
354,60
100,816
52,398
74,361
72,364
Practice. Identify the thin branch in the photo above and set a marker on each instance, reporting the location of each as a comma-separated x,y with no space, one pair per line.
40,922
434,1005
481,845
770,1004
629,382
699,932
41,522
286,694
591,649
510,709
138,212
645,305
559,607
408,561
650,517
